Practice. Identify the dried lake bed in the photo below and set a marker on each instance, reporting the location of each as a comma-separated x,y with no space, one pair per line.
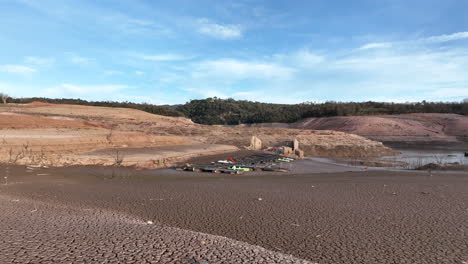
86,214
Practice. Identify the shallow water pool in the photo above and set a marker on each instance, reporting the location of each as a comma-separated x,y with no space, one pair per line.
418,158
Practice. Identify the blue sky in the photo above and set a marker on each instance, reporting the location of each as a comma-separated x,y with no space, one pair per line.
168,52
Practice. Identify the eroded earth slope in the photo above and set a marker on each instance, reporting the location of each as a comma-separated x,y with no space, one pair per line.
428,127
61,135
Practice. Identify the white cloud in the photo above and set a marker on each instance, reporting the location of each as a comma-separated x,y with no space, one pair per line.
139,73
302,58
408,66
219,31
376,45
233,69
403,74
17,69
450,37
413,72
93,17
88,91
421,41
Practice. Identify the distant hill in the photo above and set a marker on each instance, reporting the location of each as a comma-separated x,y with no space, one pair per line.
232,112
216,111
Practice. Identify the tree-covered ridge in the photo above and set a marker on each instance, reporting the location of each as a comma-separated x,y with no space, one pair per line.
232,112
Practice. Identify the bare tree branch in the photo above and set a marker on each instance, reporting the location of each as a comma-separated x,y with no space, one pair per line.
4,97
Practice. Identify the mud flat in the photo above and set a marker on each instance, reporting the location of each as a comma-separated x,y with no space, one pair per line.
34,232
347,217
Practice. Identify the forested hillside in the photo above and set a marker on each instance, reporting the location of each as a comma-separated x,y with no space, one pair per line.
232,112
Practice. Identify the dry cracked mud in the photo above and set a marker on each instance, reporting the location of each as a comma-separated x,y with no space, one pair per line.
346,217
36,232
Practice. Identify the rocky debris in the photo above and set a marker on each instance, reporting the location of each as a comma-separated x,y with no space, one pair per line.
455,166
430,166
266,161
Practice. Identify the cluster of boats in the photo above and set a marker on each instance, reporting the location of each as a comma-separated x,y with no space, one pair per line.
258,162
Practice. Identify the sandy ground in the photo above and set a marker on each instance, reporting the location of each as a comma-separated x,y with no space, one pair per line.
347,217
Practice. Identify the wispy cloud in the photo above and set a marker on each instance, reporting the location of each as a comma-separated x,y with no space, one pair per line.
219,31
163,57
92,17
403,73
450,37
307,68
416,71
84,91
234,69
135,26
300,59
17,69
376,45
420,41
39,61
